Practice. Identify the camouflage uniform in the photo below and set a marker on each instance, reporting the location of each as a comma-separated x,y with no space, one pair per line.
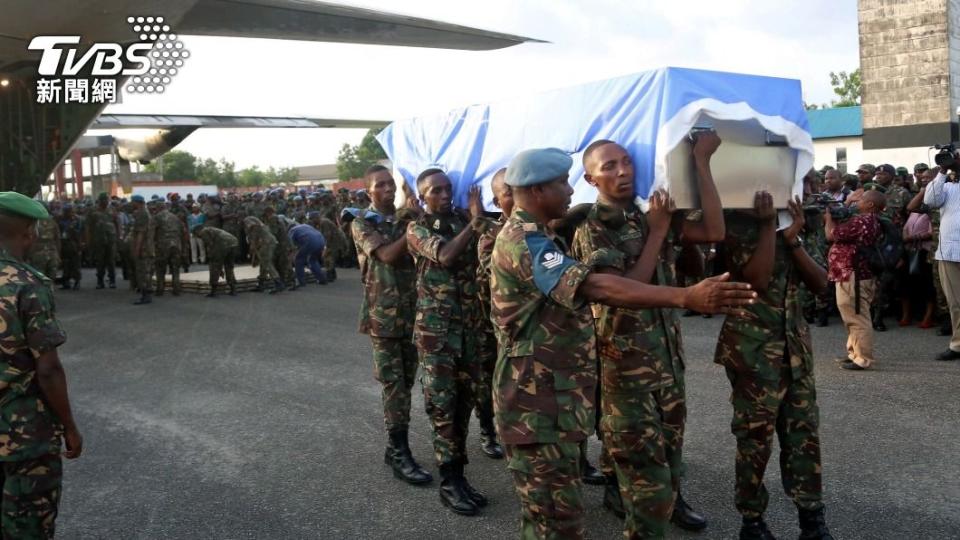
641,374
336,244
169,235
448,313
30,451
487,339
232,216
143,230
386,315
101,226
222,250
45,254
264,245
769,362
71,238
281,254
815,244
545,378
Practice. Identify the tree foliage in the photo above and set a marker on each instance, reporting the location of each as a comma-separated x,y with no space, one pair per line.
180,165
175,165
353,161
847,87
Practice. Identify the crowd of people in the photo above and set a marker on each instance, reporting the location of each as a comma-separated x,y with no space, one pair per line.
550,323
162,236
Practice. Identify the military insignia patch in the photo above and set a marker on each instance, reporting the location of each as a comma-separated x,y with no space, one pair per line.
552,260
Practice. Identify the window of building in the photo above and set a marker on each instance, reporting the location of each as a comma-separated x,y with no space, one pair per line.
842,160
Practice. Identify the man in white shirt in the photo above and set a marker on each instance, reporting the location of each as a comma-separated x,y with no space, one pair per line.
945,195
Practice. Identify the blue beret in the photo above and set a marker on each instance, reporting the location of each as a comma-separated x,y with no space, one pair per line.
536,166
136,198
13,203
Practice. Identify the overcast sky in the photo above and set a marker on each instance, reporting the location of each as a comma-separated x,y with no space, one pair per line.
589,40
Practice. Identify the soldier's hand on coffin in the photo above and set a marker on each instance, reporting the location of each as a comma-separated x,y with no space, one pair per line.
719,295
660,213
795,207
763,208
705,144
475,202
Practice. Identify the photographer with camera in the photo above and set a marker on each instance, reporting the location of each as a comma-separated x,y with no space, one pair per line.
848,268
945,196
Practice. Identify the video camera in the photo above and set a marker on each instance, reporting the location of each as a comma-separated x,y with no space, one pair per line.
947,156
822,202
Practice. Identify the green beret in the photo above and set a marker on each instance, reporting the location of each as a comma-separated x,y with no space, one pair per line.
537,166
902,171
873,186
15,204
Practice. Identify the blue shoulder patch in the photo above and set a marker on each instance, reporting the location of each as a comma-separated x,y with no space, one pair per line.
549,262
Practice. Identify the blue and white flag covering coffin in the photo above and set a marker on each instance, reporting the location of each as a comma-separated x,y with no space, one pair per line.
761,120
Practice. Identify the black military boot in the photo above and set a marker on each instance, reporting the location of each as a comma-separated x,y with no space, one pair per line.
477,497
213,291
144,299
323,278
822,318
400,459
113,283
65,286
452,494
877,319
76,285
100,282
813,526
488,436
277,286
685,517
755,529
332,274
611,497
588,473
233,289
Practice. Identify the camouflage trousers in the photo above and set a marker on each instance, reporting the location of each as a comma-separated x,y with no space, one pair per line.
547,481
787,407
450,378
222,264
487,353
267,269
31,495
144,268
642,435
168,257
281,261
105,258
395,368
886,284
46,262
71,263
812,303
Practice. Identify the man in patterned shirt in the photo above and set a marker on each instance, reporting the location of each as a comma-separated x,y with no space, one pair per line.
545,378
35,412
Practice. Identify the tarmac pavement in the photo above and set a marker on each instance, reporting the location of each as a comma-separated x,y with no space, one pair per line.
258,417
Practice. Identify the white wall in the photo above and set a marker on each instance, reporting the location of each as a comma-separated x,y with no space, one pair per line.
826,154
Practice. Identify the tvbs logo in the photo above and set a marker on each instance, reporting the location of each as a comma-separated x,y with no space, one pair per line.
91,76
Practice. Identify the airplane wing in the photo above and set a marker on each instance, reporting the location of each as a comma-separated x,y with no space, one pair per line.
139,121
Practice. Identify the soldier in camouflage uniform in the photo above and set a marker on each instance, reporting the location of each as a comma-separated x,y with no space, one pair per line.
642,380
35,412
222,248
894,211
487,343
387,313
336,242
101,233
71,246
768,358
281,254
545,378
263,245
142,246
817,306
443,242
45,253
171,241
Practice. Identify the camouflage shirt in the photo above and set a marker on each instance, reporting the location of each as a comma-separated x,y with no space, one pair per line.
101,225
48,237
144,228
443,294
640,350
897,199
217,242
169,230
484,252
71,233
545,378
28,427
773,330
389,290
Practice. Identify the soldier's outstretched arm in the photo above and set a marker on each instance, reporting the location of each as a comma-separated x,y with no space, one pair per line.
711,228
759,269
813,275
53,385
712,295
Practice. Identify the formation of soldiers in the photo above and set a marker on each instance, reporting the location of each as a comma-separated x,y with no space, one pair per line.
149,239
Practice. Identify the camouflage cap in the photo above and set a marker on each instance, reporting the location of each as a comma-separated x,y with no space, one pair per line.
867,168
873,186
16,204
902,171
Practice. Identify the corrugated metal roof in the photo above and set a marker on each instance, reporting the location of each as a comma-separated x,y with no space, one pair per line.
836,122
